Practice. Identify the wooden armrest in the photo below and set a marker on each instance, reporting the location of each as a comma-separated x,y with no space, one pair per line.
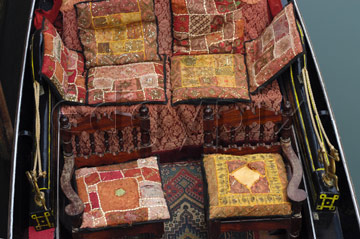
293,192
76,206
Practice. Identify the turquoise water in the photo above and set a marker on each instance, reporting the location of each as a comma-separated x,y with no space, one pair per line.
334,30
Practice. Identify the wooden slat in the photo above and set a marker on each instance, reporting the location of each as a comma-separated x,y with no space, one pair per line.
107,158
234,117
92,124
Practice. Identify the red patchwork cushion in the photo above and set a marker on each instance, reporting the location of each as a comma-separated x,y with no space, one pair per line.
123,193
62,67
203,27
117,31
129,84
276,47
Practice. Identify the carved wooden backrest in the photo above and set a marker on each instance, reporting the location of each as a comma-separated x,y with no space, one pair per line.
229,120
140,123
119,121
280,144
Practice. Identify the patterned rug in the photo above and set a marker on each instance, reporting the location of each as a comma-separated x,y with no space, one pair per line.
183,186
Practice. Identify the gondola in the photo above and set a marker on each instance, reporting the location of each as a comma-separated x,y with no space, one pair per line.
37,204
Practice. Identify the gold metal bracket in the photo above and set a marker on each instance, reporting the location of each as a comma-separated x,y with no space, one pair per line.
39,197
329,176
43,220
327,202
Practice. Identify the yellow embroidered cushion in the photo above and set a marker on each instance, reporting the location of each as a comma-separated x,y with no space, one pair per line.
217,77
249,185
117,31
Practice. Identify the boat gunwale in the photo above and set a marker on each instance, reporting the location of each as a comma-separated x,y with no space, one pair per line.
331,113
14,154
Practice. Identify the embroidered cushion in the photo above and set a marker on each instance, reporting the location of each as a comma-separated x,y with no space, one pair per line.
117,31
257,17
68,4
249,185
123,193
63,68
130,84
207,26
217,77
277,46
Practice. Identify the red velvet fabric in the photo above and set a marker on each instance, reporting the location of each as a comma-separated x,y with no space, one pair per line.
275,7
51,15
45,234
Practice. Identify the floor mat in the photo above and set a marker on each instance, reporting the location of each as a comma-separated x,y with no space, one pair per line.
183,186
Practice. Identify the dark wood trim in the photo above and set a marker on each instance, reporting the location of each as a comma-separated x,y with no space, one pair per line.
232,119
186,153
153,230
139,122
246,149
248,117
107,158
209,127
6,128
65,132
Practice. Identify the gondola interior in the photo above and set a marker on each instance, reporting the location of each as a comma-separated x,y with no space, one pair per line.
173,119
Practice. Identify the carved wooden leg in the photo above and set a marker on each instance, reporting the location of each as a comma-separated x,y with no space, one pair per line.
294,193
214,229
294,232
145,144
65,127
76,206
286,121
208,128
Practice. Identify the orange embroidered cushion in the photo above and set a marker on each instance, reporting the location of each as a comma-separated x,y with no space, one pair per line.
117,31
249,185
125,193
211,78
273,50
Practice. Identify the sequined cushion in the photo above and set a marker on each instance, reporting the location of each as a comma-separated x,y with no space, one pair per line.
129,84
123,193
217,77
249,185
207,26
63,68
277,46
117,31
